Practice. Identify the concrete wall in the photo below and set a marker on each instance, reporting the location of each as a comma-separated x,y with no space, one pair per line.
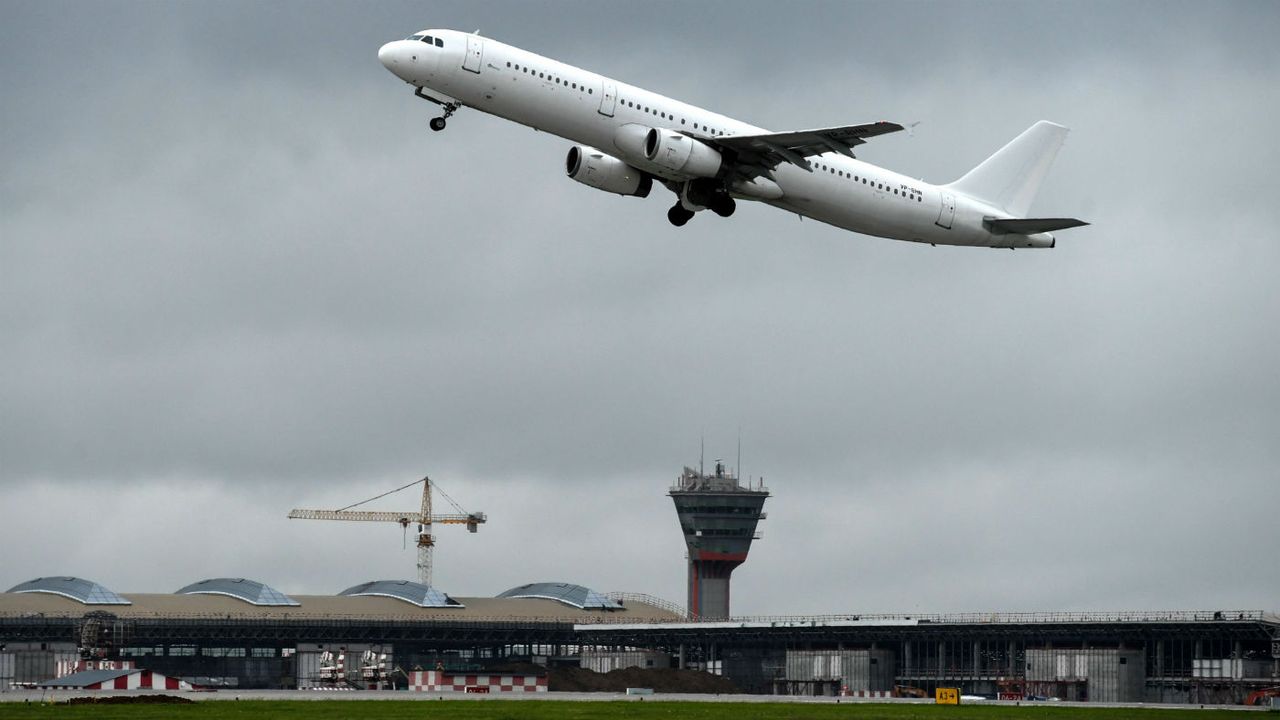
1095,674
1230,668
603,662
855,669
34,662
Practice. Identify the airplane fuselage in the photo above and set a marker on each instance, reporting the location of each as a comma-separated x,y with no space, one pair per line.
612,116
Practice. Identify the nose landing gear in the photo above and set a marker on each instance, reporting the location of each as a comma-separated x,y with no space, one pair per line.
438,124
450,108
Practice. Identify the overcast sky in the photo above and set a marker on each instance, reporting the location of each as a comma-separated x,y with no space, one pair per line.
239,274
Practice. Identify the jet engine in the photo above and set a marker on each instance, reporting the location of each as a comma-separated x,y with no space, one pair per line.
681,153
592,167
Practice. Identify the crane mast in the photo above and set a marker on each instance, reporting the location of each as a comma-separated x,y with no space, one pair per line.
424,518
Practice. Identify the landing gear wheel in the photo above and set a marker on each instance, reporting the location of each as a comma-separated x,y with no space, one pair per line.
437,124
678,215
724,206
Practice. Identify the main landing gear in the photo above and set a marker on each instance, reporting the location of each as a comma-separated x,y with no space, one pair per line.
722,205
678,216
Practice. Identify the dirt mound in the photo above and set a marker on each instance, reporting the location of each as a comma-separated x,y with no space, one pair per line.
130,700
664,680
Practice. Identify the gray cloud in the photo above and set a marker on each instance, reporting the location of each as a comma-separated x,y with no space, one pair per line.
238,274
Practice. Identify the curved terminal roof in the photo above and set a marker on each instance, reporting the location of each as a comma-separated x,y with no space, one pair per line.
410,592
85,591
567,593
250,591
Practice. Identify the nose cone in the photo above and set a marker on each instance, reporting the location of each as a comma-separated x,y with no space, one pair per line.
387,56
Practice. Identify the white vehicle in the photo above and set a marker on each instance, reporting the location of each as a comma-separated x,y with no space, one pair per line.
628,137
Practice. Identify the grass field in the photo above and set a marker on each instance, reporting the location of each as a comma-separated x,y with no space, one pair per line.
556,710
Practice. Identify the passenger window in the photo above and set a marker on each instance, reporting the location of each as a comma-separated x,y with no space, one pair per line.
508,64
590,91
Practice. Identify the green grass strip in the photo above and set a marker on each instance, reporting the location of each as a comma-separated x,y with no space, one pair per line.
568,710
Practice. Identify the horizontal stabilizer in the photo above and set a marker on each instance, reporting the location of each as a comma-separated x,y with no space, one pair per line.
1029,226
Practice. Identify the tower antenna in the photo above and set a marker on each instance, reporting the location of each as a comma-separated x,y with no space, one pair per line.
738,468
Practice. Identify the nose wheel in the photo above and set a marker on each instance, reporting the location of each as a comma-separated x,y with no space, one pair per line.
438,124
450,108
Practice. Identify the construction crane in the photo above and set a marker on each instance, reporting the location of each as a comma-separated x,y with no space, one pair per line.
424,519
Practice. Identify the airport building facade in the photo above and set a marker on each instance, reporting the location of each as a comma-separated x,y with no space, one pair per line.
231,632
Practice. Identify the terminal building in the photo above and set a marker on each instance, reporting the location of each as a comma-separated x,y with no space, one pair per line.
233,632
240,633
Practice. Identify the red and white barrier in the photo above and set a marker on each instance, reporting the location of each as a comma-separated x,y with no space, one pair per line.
441,681
846,692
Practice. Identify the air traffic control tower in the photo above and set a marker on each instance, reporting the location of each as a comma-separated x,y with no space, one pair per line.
718,517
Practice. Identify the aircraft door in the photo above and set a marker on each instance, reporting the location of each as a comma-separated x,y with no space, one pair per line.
948,211
608,98
475,49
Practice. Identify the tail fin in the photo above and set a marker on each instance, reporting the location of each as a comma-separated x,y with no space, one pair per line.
1010,178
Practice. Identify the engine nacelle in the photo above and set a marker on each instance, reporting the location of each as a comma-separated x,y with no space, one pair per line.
629,140
592,167
681,153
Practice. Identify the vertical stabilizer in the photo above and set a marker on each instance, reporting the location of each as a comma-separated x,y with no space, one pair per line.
1010,178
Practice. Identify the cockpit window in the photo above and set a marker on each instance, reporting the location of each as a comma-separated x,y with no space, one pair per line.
428,39
439,42
414,37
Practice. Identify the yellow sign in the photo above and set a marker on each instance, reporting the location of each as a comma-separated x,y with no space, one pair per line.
947,696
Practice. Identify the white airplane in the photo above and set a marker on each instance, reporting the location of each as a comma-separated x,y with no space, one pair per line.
628,137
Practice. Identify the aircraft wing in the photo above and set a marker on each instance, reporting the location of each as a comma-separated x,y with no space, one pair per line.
771,149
